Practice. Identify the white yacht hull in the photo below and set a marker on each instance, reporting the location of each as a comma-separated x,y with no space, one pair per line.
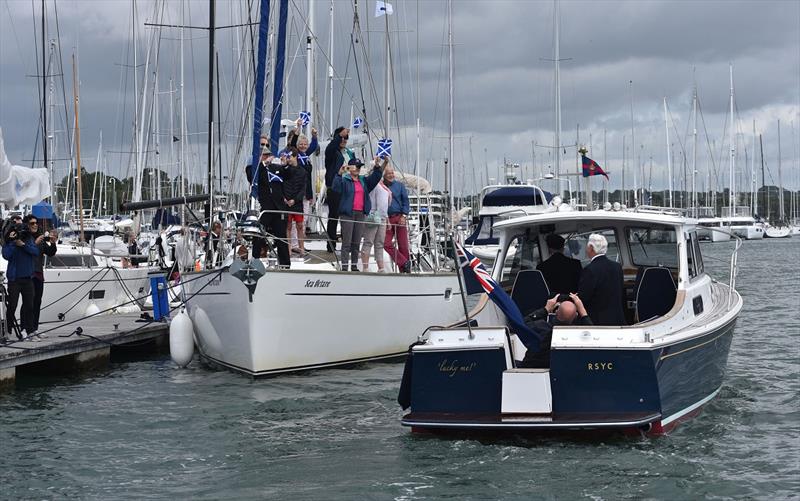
69,291
748,232
306,319
778,232
709,235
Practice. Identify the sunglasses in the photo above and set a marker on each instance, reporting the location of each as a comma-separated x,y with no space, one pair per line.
33,222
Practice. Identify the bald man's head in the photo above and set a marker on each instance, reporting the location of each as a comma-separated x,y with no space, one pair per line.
566,312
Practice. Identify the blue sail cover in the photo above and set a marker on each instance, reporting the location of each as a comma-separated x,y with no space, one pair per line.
263,29
280,60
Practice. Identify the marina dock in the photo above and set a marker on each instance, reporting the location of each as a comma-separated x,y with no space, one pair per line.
84,344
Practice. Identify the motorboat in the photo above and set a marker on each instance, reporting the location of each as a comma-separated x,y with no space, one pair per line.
498,203
656,371
741,224
709,227
253,317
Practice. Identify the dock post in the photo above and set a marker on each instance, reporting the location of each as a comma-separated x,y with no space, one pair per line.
8,377
93,359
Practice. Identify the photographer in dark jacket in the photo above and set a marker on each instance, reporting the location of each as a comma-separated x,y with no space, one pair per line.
334,159
562,309
46,247
271,173
20,251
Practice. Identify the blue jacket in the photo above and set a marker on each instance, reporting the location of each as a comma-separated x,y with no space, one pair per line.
344,184
399,203
20,259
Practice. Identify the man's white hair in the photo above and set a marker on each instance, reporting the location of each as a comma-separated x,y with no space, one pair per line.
598,243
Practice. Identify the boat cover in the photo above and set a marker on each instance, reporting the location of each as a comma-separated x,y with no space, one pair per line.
21,185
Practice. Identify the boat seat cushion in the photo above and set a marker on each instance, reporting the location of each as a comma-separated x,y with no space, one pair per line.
530,291
655,293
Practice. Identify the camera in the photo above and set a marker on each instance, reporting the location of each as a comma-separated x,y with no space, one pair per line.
16,231
564,297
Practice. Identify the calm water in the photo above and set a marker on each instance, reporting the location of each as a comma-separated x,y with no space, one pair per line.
144,429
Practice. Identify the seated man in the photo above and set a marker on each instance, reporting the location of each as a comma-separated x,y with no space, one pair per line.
561,273
601,285
568,309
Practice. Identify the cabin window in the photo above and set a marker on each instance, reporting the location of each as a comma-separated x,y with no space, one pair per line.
523,254
575,246
690,257
71,261
653,247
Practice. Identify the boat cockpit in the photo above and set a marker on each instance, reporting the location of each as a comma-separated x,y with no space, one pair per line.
659,257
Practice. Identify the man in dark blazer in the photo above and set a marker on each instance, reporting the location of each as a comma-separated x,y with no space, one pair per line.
561,273
601,285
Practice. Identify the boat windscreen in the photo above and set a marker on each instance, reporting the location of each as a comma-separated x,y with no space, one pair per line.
653,247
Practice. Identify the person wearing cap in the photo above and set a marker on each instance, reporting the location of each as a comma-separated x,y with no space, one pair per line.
561,273
354,190
271,199
397,225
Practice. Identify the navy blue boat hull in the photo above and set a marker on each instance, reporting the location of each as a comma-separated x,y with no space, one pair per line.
652,390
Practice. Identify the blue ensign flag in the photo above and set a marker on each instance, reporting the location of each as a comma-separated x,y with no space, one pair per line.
475,273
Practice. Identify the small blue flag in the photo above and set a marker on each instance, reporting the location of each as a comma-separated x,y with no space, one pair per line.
358,122
305,117
384,148
302,158
273,178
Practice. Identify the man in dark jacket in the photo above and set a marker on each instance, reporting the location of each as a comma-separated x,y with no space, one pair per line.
565,312
20,251
271,173
334,159
46,247
560,272
601,286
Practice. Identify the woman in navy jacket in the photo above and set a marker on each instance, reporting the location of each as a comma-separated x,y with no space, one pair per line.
354,203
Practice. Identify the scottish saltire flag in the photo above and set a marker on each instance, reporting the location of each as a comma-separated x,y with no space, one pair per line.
273,178
302,158
383,8
305,118
358,122
384,148
591,168
475,273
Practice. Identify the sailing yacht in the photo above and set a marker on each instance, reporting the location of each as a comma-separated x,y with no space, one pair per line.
709,227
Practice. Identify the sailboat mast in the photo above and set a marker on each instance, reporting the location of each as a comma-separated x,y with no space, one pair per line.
694,151
732,160
450,87
330,71
210,152
633,148
310,67
780,178
763,179
753,191
669,154
556,57
44,88
77,144
388,96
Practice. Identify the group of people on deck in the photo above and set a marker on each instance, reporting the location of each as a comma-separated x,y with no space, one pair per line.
593,295
372,208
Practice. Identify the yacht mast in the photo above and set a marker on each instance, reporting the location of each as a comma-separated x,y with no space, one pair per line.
556,61
732,160
669,154
753,191
781,214
694,151
77,144
310,62
450,87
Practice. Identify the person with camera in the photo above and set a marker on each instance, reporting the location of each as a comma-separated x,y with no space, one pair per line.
20,251
561,309
271,172
47,247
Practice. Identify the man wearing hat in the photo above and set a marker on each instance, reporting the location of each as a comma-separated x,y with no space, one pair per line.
354,203
561,273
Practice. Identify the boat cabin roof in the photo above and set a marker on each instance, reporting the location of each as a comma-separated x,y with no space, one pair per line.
578,220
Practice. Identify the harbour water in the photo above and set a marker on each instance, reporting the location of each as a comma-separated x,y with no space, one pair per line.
145,429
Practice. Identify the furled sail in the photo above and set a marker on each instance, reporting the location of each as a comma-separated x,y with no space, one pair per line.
263,29
21,185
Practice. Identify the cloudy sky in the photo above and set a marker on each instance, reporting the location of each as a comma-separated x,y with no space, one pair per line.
504,85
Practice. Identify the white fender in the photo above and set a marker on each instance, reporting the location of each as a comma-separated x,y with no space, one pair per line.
91,309
181,339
